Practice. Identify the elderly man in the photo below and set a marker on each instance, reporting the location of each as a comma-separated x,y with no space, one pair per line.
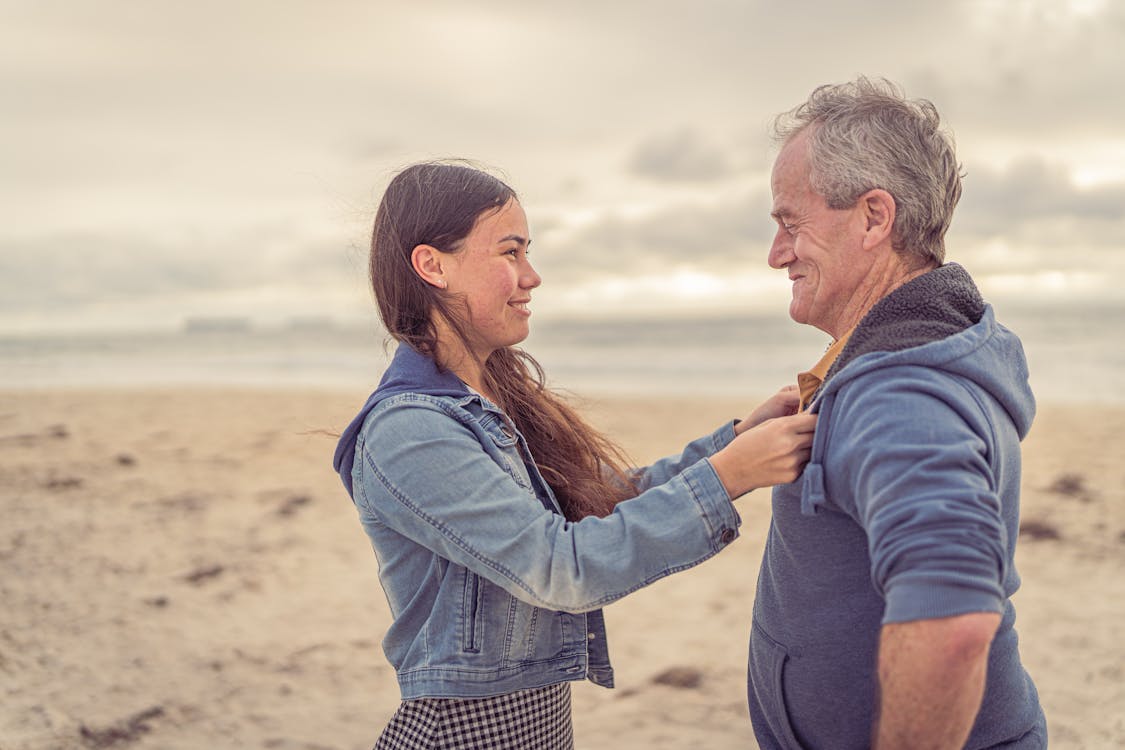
883,614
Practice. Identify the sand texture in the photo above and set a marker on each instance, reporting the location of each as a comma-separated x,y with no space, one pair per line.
182,570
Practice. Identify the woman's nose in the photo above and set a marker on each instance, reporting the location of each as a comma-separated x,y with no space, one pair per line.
530,278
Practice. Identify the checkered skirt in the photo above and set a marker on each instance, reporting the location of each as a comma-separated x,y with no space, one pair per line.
537,719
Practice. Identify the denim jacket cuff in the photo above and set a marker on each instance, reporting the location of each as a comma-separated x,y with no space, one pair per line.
723,436
715,505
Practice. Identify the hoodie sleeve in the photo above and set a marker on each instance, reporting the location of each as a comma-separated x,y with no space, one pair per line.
426,475
911,460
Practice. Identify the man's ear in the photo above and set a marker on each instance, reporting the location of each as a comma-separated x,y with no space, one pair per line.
878,207
426,260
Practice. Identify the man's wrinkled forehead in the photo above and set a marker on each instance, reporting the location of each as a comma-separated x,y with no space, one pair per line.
791,171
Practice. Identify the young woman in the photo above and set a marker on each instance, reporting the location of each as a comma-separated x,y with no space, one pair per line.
501,521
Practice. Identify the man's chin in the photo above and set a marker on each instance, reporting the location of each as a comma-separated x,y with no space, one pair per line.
798,314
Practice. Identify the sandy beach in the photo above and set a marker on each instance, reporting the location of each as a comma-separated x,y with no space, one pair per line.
181,569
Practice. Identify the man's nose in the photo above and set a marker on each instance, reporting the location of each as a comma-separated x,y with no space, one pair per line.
781,251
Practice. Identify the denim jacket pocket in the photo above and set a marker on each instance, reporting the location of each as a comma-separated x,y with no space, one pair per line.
472,613
506,443
540,635
767,678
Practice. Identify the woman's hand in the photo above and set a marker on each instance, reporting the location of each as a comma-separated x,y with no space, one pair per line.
774,452
781,404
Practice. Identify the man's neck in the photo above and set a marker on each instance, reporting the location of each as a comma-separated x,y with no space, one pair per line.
883,279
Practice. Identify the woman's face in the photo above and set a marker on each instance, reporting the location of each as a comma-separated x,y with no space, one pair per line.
493,278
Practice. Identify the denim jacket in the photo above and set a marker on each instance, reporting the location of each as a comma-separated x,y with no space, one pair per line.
491,589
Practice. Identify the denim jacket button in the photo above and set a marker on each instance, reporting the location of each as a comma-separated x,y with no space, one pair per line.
591,636
727,536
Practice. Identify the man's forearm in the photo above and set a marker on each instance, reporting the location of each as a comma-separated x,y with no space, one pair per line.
931,681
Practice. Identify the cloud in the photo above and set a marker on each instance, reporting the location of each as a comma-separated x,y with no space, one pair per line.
680,155
207,149
732,229
1031,194
1036,70
75,271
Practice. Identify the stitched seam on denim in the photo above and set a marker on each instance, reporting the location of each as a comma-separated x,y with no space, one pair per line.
491,418
532,629
509,627
717,441
690,480
508,574
444,530
462,416
515,669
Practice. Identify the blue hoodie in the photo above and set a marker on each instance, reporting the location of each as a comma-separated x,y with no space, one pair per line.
907,510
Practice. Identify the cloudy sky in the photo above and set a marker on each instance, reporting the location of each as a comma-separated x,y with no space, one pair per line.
167,159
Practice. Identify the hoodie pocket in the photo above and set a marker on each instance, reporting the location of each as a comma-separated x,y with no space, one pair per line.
472,614
768,659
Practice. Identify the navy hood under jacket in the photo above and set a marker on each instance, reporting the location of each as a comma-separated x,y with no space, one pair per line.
410,372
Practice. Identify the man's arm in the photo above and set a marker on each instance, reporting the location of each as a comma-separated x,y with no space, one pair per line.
915,462
931,680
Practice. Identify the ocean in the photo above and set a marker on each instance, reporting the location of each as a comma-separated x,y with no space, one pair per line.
1074,352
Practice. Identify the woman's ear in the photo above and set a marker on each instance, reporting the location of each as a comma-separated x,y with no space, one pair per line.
879,216
426,260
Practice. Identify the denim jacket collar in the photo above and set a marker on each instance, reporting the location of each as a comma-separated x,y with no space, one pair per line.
409,371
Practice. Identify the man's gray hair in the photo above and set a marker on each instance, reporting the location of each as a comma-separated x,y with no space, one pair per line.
865,135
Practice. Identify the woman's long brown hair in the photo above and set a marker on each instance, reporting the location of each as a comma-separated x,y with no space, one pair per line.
437,204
